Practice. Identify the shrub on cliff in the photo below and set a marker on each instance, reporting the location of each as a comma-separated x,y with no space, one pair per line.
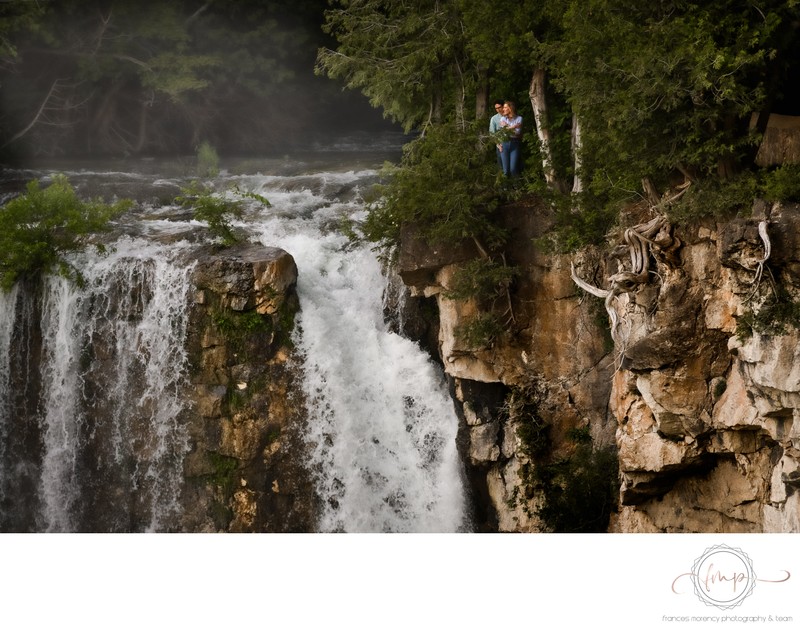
580,491
41,227
445,186
783,183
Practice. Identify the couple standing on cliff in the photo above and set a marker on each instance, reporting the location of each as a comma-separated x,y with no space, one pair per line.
506,125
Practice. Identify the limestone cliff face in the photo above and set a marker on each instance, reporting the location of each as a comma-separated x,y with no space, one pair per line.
706,419
244,471
703,422
559,348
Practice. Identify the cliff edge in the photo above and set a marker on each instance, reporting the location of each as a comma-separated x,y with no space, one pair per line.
686,379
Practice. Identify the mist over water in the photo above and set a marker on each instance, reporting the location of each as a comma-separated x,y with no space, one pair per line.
381,428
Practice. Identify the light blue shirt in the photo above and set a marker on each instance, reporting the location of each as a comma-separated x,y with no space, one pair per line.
494,123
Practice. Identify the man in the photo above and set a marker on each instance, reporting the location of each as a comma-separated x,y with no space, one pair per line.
494,126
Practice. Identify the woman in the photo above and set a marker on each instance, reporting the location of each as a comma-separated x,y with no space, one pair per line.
510,151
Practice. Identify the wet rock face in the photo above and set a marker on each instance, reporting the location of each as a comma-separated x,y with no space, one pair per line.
244,472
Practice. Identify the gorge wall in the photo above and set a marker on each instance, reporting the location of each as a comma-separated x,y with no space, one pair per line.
702,422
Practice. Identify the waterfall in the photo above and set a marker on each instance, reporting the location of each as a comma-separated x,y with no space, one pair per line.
381,425
113,346
62,416
102,430
8,313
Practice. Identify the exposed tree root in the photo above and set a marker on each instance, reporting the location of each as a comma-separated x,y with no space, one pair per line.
759,268
641,241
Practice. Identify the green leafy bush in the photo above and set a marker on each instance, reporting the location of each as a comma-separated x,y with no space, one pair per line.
445,187
775,316
39,228
783,183
522,406
580,492
721,199
481,331
216,210
589,226
482,279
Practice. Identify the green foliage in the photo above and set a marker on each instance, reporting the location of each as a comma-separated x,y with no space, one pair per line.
401,55
217,210
480,331
776,316
580,435
712,197
152,76
666,84
782,184
445,188
207,160
580,492
223,471
534,436
482,279
238,324
249,194
522,406
241,329
575,229
15,18
39,228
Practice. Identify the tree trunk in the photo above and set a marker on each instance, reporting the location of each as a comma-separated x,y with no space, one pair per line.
728,164
436,103
461,95
98,134
577,152
53,89
539,104
482,94
651,192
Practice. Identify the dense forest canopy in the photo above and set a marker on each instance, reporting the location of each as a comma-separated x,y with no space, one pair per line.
120,77
612,92
617,97
662,83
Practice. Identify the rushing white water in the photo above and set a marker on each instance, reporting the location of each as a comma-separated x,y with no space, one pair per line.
144,322
8,312
381,428
61,402
381,425
131,314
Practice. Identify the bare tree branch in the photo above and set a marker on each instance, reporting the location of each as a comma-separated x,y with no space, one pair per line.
50,93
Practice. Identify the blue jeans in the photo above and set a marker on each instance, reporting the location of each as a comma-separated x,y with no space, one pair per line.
510,157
